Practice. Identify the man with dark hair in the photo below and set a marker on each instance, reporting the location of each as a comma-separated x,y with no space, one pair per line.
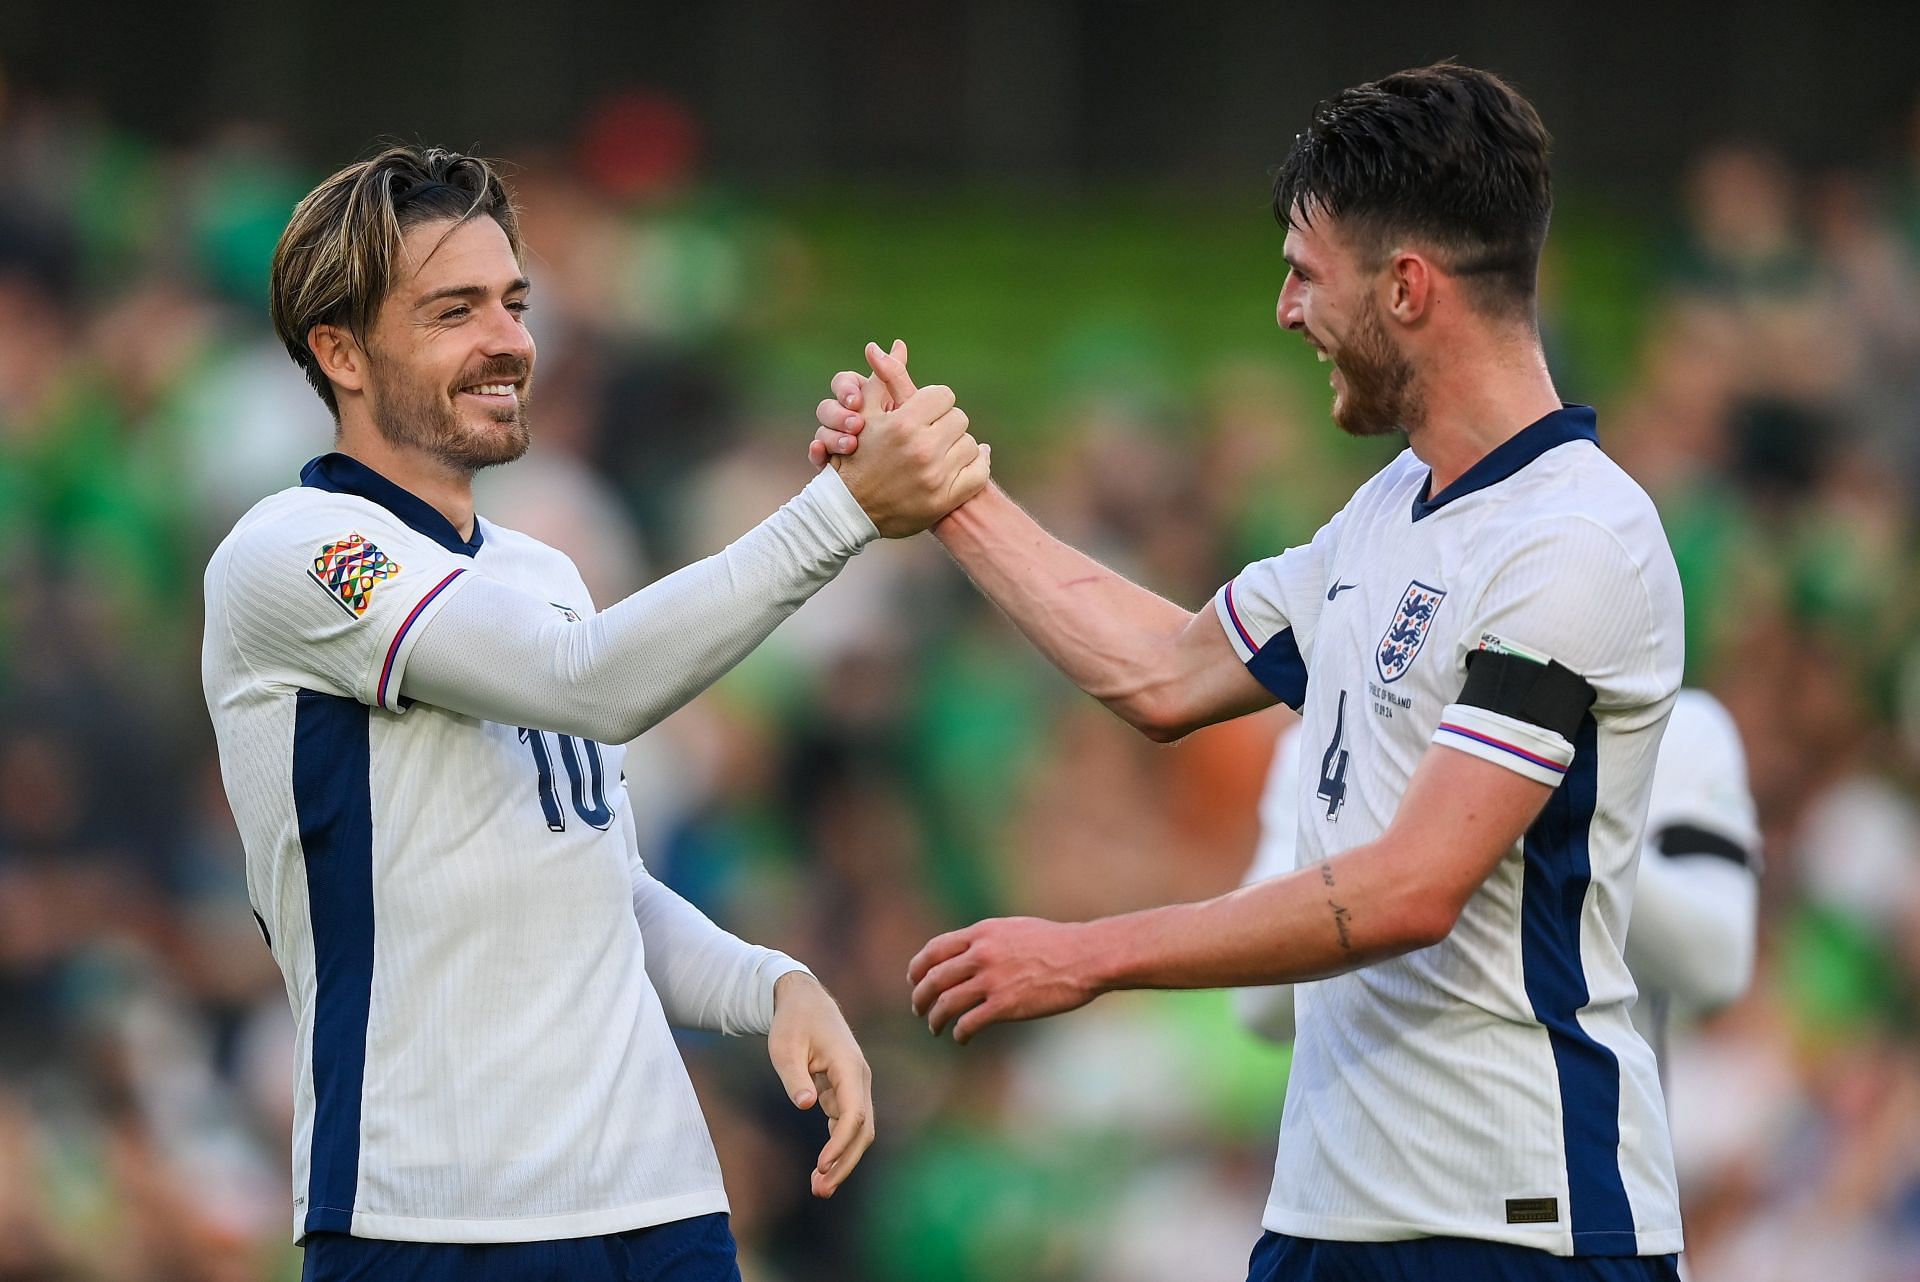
1445,153
420,717
1485,643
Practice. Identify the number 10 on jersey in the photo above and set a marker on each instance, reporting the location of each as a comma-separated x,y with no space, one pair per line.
588,788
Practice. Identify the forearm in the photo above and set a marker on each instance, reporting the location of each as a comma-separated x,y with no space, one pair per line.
504,656
706,977
1108,635
1355,909
1391,896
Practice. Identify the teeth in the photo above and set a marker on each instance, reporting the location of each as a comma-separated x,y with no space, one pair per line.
493,389
1321,356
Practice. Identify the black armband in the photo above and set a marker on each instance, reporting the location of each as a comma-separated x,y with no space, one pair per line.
1676,840
1549,695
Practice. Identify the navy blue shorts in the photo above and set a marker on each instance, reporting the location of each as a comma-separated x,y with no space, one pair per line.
1278,1258
696,1250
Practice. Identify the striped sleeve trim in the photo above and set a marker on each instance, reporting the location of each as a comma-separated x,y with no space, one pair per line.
387,691
1237,633
1526,749
1276,664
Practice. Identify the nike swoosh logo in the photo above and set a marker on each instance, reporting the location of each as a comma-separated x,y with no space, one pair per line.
1338,588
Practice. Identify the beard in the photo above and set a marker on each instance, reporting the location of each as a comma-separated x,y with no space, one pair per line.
1379,397
416,415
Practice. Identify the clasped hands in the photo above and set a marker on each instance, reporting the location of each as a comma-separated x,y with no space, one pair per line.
919,461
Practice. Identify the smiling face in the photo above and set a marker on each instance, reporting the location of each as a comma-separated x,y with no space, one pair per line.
1330,300
449,358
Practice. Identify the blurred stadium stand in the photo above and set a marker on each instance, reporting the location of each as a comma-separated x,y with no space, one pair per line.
1062,207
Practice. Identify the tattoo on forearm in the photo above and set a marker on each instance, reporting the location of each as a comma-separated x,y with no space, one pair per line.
1340,914
1340,918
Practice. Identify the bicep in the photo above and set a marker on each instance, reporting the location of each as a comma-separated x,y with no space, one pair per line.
1459,816
499,654
1207,679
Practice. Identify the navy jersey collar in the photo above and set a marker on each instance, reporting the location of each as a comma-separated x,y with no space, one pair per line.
339,474
1568,423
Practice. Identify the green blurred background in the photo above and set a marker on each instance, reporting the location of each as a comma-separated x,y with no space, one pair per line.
1062,207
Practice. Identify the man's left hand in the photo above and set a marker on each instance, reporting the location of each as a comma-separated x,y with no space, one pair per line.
992,972
817,1059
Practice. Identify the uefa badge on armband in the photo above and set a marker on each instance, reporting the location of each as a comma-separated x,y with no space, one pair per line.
1494,644
1408,631
350,569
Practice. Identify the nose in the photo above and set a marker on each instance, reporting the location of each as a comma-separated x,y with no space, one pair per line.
1289,311
507,335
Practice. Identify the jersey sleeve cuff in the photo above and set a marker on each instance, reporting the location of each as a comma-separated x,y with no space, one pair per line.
774,968
1229,615
829,499
1539,754
1275,663
390,661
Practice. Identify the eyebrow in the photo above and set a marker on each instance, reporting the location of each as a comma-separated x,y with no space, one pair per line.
470,291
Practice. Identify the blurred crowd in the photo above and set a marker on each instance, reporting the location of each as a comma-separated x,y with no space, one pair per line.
895,761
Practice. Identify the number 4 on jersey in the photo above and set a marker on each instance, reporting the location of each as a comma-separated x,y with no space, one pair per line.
1333,766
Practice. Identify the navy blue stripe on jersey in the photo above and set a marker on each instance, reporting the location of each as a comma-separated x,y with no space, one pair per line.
333,801
1559,870
339,474
1279,667
1568,423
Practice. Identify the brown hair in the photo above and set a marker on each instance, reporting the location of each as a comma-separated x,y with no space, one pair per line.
1449,154
335,260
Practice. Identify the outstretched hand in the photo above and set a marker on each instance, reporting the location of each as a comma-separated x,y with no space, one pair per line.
818,1061
1001,970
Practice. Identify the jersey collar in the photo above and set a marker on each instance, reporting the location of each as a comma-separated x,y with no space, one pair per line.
339,474
1568,423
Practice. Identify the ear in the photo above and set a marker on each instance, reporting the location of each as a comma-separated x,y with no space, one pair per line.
1410,286
341,357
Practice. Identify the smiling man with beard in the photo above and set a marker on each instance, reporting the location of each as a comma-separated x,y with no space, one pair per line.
420,717
1485,645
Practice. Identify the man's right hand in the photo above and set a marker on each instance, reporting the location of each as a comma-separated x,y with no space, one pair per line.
919,462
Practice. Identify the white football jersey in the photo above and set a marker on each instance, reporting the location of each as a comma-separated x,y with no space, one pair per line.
481,1054
1696,897
1491,1086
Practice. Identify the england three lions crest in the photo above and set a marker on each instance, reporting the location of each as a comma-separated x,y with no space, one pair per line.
1408,631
